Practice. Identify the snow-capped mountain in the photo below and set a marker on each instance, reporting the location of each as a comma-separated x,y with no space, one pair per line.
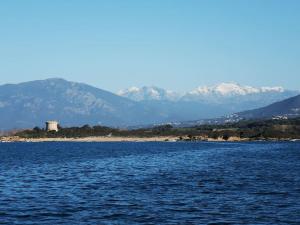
28,104
208,101
212,94
149,93
235,93
231,89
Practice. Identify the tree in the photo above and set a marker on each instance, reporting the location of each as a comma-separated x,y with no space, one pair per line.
37,129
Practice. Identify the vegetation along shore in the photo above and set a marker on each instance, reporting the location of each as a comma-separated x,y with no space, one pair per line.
284,129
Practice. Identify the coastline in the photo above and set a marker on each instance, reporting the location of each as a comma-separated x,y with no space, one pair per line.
89,139
9,139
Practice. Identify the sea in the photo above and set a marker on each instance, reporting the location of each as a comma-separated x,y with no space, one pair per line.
150,183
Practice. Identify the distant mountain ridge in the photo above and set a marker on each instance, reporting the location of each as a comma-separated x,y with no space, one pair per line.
207,102
287,108
149,93
229,89
282,110
222,90
30,104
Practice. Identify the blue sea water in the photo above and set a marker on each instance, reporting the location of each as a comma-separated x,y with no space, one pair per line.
150,183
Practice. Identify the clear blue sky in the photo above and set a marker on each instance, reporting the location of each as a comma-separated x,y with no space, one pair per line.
175,44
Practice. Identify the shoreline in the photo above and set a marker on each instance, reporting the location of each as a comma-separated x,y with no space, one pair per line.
11,139
89,139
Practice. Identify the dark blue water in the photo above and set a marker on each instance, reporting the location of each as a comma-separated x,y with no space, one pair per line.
150,183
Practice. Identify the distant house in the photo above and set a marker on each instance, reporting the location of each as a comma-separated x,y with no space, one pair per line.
52,126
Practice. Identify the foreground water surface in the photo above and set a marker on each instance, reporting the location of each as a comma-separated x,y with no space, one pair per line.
150,183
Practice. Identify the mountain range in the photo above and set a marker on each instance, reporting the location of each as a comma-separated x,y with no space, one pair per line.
206,93
207,102
30,104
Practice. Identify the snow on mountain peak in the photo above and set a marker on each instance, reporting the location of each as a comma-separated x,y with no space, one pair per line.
129,90
220,90
148,93
272,89
230,89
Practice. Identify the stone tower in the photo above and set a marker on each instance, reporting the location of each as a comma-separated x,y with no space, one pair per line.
52,126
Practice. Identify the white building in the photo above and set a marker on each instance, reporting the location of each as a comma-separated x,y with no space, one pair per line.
52,126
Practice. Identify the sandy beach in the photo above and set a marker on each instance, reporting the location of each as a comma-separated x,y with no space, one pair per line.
90,139
132,139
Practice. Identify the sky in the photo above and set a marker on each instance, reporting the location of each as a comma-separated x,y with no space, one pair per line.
173,44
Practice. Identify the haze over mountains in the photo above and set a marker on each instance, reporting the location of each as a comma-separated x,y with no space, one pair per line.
207,102
287,108
29,104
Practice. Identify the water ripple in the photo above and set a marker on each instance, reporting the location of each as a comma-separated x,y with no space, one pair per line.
149,183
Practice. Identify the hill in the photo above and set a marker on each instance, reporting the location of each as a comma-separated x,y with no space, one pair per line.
29,104
288,108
